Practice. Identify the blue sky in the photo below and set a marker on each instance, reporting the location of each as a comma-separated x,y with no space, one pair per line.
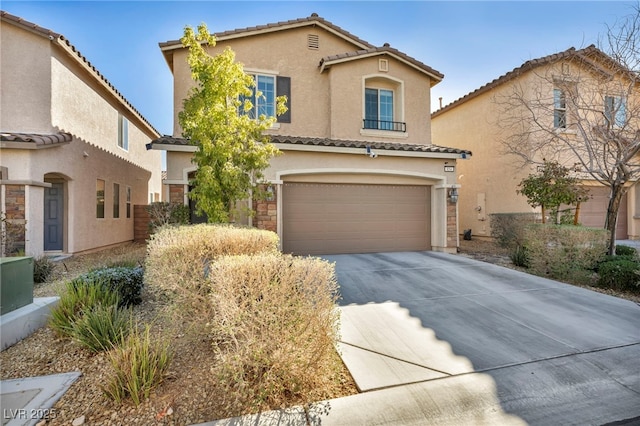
471,43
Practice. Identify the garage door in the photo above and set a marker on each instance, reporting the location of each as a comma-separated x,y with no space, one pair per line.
345,218
594,212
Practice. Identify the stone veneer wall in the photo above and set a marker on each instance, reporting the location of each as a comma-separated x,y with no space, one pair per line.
452,225
15,214
266,212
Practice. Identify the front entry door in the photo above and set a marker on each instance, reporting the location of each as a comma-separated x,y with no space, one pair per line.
53,217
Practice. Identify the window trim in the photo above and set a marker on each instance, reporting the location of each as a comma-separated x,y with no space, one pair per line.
559,109
116,200
262,73
398,89
127,192
100,199
123,132
618,122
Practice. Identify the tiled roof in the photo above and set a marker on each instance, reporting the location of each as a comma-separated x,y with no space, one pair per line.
36,138
386,49
313,19
74,53
338,143
582,54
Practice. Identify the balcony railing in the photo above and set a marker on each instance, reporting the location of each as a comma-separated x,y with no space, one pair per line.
394,126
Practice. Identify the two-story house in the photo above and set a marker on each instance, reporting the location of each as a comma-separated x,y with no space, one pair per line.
72,148
358,171
569,93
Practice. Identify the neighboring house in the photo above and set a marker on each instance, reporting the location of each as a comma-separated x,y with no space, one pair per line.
489,181
358,172
72,149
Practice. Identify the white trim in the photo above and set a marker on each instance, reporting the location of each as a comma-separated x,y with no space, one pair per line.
359,171
261,71
172,147
384,134
25,182
361,151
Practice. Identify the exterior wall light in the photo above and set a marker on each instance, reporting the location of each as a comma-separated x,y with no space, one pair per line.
453,195
270,194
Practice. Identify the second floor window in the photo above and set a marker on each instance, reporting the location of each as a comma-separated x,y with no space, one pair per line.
265,104
378,109
615,111
559,109
123,132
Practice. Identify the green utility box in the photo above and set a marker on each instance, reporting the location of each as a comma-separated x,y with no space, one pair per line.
16,283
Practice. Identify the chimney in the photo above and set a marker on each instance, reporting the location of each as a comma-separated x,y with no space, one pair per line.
440,99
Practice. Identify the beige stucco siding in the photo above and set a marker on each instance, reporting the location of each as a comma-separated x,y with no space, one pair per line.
84,110
488,180
24,74
411,93
310,90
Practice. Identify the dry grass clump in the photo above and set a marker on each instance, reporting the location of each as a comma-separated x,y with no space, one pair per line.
274,326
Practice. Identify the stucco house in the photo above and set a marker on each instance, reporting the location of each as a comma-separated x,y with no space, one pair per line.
358,171
73,160
489,182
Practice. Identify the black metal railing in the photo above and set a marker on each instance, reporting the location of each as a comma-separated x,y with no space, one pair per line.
393,126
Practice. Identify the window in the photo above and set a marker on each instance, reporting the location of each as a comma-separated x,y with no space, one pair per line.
116,200
128,195
270,87
615,111
378,109
559,109
100,199
265,104
123,132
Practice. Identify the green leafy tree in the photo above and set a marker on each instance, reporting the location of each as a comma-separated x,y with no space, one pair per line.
232,149
551,187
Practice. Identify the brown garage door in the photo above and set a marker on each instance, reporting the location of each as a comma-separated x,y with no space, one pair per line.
344,218
594,212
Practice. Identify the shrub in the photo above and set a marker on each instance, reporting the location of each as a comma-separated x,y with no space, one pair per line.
520,257
102,327
564,252
508,228
622,250
163,213
42,269
620,274
178,258
78,299
139,366
127,282
274,326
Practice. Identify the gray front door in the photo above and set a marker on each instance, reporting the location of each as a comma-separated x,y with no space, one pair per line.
53,216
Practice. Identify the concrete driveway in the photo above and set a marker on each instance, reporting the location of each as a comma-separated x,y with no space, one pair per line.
432,338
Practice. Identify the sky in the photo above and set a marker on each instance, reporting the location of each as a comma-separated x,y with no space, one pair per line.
471,43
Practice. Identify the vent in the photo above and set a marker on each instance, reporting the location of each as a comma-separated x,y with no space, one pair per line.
383,65
313,41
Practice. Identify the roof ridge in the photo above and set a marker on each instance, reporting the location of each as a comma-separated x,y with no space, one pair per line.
61,39
314,17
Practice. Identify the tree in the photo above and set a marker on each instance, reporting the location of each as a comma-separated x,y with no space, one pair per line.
551,187
582,106
232,149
